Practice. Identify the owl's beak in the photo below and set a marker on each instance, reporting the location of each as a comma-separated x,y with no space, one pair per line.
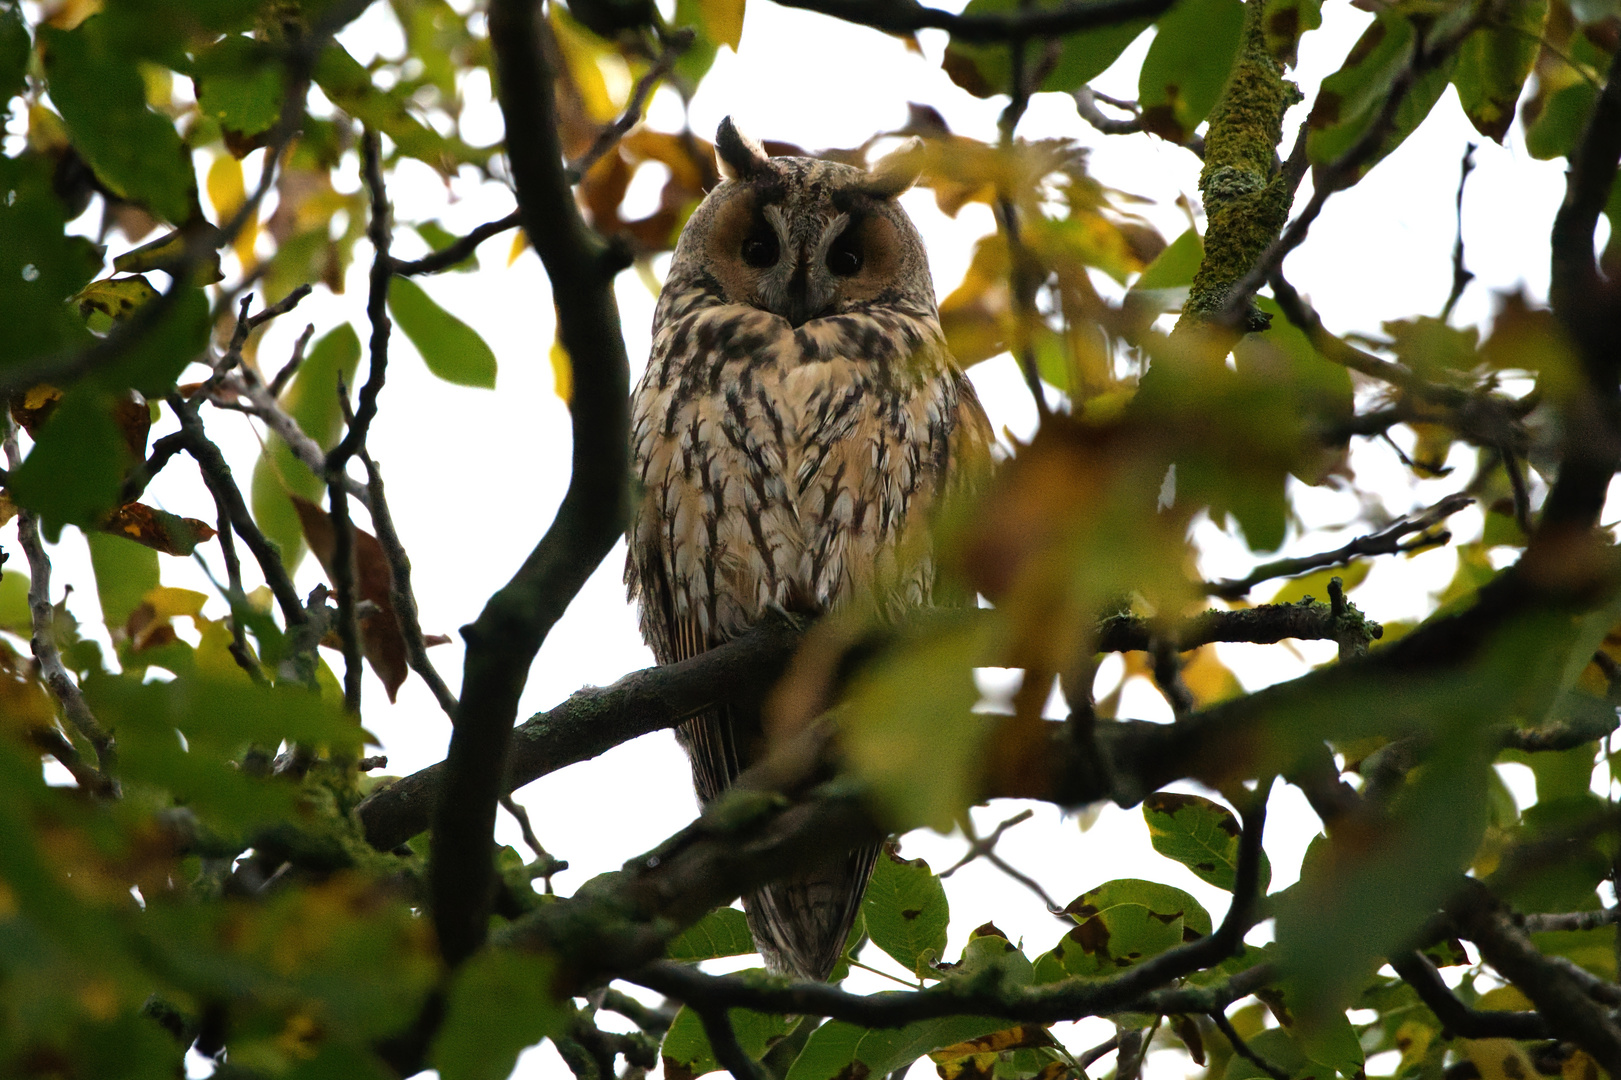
808,298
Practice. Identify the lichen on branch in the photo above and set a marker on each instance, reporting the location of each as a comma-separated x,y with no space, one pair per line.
1246,192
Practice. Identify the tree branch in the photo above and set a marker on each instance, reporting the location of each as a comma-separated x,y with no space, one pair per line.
42,636
455,252
502,643
1570,1013
1387,541
1462,1021
908,17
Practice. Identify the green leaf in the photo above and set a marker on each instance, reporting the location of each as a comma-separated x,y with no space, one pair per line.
347,82
40,266
909,731
985,70
1287,21
686,1052
836,1045
133,150
312,400
1348,911
451,349
113,299
125,573
14,49
437,237
155,360
218,720
1351,98
14,611
695,62
1276,1048
723,932
1124,922
1494,62
501,1002
76,469
1201,835
240,83
906,910
1187,65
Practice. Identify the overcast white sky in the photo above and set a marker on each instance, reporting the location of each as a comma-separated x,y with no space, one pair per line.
475,475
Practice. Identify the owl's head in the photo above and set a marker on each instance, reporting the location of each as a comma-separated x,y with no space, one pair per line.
802,238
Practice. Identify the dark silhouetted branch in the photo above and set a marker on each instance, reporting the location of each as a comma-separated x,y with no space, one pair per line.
1569,921
678,42
503,641
1462,1021
217,474
908,17
456,251
1562,1000
1243,1049
1387,541
595,720
1461,277
723,1041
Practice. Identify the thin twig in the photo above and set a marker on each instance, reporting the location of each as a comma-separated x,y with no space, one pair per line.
400,593
294,362
217,474
675,44
1387,541
87,776
42,639
985,848
1086,103
1243,1049
235,595
456,251
1569,921
1461,277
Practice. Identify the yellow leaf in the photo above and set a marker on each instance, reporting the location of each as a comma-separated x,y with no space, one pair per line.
1413,1040
581,52
1315,584
227,192
520,244
40,396
1500,1059
1579,1066
172,603
562,372
723,19
1208,678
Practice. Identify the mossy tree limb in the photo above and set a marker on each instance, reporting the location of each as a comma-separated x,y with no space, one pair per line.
1247,194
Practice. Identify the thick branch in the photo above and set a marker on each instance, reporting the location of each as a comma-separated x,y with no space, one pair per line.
595,720
502,643
1569,1011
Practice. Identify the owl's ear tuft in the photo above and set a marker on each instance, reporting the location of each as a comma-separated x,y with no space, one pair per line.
896,171
740,157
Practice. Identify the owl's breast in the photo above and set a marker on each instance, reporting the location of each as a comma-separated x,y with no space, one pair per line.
782,466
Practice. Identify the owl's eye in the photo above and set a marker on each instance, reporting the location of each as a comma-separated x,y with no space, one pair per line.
844,256
760,249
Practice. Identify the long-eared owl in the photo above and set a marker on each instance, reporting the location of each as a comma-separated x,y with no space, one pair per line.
799,418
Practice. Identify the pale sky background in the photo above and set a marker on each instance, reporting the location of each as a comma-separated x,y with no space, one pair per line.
474,475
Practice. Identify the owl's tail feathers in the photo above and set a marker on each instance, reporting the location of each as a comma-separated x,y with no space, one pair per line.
800,926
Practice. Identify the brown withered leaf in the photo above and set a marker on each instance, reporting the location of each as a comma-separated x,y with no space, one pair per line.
157,529
380,637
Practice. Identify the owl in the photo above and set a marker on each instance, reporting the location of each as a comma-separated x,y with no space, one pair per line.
799,419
